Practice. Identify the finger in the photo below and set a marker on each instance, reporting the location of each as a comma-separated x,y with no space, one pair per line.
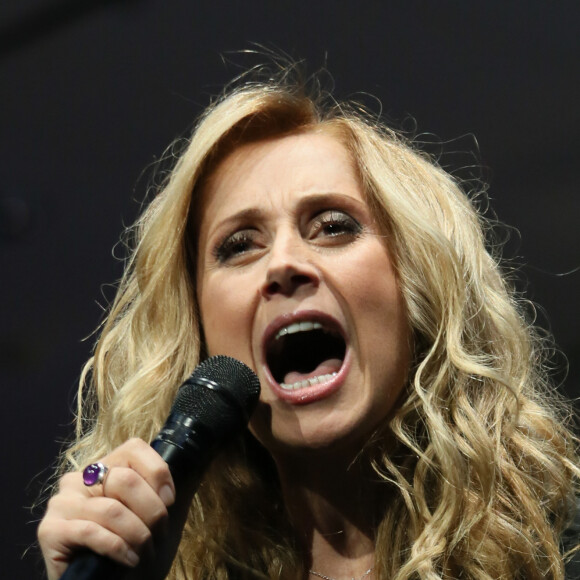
132,491
141,457
124,484
61,539
107,513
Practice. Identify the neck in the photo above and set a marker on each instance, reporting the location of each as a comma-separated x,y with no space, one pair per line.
335,507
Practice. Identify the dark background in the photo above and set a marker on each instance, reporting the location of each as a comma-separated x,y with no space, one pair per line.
91,93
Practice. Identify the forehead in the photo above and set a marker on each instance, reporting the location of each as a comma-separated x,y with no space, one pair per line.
287,166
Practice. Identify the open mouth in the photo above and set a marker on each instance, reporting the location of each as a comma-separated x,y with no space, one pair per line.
304,354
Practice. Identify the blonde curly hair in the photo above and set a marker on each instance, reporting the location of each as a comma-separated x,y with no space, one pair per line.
483,476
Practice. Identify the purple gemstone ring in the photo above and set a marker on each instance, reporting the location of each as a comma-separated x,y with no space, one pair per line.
94,473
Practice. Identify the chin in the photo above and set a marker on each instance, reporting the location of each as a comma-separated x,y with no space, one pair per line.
302,441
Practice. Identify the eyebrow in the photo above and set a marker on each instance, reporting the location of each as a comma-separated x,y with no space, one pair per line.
320,198
244,215
306,202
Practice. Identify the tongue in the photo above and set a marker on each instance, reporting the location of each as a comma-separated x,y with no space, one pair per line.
326,367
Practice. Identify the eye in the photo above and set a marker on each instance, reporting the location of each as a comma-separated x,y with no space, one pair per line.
235,245
334,226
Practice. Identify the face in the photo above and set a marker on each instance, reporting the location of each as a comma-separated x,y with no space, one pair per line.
295,280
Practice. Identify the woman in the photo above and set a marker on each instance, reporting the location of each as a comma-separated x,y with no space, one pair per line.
406,427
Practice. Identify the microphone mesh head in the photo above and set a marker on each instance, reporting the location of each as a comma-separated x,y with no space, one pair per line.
221,393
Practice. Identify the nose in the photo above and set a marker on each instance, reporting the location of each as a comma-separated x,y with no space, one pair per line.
289,269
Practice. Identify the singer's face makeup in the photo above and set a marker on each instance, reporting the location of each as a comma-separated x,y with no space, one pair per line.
295,280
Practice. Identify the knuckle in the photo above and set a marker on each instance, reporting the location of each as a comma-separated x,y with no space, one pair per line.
159,514
127,478
116,544
61,503
87,529
69,480
43,532
53,503
113,510
136,443
144,537
121,454
160,471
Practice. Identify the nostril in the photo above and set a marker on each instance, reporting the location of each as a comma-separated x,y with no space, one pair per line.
273,288
287,285
286,276
300,279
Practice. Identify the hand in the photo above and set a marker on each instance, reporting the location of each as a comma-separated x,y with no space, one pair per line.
117,519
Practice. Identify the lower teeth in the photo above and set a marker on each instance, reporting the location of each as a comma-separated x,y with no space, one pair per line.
307,382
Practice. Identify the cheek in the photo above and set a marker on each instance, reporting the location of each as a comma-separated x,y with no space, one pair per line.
381,312
373,286
226,319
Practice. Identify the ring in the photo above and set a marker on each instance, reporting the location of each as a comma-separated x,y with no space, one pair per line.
94,473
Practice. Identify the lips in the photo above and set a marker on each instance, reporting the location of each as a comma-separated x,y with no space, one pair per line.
304,354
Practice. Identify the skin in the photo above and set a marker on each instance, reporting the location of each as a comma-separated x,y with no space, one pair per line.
277,244
292,201
309,248
117,519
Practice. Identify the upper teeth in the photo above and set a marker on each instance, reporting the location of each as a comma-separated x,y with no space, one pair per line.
297,327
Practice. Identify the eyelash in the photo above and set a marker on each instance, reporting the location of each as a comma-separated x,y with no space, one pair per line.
234,244
332,224
347,225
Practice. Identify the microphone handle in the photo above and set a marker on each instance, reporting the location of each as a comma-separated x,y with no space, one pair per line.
91,566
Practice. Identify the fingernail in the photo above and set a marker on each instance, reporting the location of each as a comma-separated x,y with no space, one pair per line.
167,495
132,558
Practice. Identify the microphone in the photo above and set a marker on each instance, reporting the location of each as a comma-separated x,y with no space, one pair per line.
212,406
